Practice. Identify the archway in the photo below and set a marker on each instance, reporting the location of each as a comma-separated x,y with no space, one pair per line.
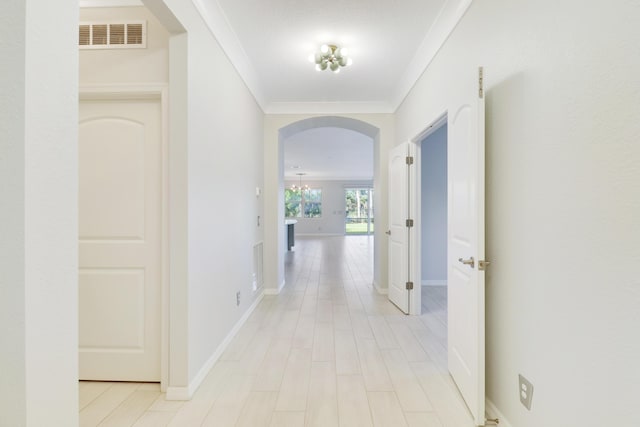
277,129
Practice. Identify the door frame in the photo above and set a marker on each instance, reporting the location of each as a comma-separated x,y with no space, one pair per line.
159,92
415,211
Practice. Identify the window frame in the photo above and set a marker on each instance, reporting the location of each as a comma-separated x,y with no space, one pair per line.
305,199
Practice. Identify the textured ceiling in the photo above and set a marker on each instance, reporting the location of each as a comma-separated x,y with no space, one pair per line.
383,37
329,153
391,42
278,36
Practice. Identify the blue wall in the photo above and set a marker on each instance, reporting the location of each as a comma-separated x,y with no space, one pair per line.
434,207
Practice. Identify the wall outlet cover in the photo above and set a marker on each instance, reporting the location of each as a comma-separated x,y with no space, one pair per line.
526,391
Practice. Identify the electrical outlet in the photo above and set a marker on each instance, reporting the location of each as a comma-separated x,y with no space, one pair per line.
526,392
238,298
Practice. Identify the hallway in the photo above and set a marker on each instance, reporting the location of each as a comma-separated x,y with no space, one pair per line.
328,351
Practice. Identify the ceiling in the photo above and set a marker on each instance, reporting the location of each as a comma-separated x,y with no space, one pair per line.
328,153
390,41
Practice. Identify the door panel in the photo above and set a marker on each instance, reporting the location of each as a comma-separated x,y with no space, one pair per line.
119,247
398,239
466,240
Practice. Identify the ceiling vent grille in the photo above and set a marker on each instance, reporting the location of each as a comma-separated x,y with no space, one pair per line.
119,35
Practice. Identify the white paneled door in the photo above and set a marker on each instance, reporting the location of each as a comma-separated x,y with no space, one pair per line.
398,231
120,239
466,243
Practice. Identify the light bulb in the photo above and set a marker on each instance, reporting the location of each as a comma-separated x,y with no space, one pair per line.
342,61
344,52
311,58
334,66
349,61
317,57
318,67
323,65
337,70
324,48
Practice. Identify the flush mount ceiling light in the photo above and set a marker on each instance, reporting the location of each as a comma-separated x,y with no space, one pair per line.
330,56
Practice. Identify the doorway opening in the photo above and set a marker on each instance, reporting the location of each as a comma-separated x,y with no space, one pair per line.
331,221
434,219
358,218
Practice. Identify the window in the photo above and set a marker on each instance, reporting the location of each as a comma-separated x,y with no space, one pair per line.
312,202
292,203
307,203
359,210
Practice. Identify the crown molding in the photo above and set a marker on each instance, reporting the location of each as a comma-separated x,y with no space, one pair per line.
110,3
450,14
348,180
219,26
376,107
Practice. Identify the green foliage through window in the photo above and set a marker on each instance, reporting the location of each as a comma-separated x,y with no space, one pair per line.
307,203
359,211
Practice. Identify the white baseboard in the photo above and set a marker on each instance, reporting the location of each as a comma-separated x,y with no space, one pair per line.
381,291
185,393
318,234
271,291
493,412
434,283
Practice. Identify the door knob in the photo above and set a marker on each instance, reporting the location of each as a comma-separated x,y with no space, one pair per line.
388,232
470,262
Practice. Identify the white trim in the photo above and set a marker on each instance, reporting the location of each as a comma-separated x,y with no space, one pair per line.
271,291
294,179
318,235
165,248
110,3
493,412
381,291
447,20
123,91
185,393
372,107
150,91
434,283
219,26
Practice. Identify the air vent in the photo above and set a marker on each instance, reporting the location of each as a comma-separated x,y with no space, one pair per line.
117,35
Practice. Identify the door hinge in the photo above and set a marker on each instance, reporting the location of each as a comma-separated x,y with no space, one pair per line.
482,265
409,223
481,82
409,160
409,286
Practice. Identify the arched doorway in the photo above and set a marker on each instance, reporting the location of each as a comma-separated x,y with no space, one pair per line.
279,128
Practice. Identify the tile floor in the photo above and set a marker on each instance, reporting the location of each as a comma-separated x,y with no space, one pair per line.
328,351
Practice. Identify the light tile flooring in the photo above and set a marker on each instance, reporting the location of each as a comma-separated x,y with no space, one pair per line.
328,351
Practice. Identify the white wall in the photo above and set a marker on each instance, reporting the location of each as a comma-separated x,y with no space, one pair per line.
274,195
38,213
223,137
122,66
215,166
433,152
562,209
333,207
